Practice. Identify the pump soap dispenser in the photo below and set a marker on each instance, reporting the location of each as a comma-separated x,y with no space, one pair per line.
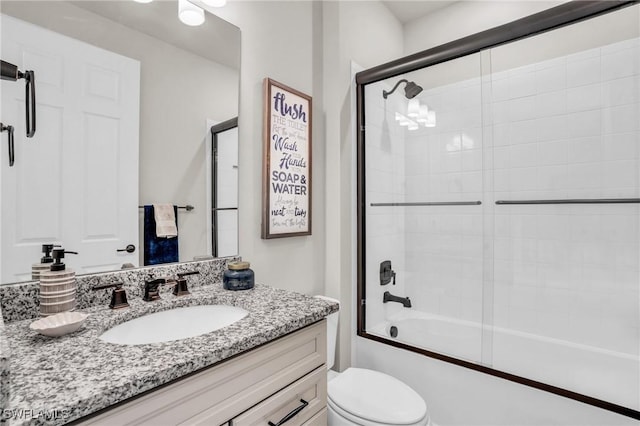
57,286
45,261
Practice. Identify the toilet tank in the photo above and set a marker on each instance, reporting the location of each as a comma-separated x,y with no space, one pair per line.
332,332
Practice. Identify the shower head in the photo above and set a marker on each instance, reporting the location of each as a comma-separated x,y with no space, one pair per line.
411,90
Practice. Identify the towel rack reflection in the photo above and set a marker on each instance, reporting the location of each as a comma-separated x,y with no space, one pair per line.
573,201
429,203
188,207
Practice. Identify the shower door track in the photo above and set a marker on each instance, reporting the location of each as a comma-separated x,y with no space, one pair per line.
550,19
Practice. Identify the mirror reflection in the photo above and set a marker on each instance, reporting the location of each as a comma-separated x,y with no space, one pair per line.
127,96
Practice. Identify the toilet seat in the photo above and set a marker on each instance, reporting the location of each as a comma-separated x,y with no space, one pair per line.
370,397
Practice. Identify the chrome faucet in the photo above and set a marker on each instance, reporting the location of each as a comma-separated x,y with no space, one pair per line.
388,297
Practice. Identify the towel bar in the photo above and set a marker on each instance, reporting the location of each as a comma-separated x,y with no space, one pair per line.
188,207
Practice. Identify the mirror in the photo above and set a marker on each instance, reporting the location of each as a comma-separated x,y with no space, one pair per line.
125,104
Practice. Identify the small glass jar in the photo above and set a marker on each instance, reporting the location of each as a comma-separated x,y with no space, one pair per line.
238,276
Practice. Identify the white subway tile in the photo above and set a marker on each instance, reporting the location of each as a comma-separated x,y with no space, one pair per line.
620,119
522,132
501,181
619,146
551,78
472,160
522,108
623,63
584,98
525,155
584,176
553,152
553,128
522,84
501,157
621,91
620,174
583,71
585,150
472,183
583,124
523,179
551,103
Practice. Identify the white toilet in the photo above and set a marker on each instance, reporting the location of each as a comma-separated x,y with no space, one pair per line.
358,396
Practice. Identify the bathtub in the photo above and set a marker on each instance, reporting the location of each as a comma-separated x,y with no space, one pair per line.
595,372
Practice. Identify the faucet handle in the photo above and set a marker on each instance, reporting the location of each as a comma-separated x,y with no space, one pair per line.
181,289
118,295
151,289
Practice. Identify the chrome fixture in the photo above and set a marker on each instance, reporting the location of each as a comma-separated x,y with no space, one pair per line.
411,90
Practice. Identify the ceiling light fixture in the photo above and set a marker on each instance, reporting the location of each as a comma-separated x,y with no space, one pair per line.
190,14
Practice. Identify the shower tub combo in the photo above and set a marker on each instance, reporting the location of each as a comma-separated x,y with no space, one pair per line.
504,187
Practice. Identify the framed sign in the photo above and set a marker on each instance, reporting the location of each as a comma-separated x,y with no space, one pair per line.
286,166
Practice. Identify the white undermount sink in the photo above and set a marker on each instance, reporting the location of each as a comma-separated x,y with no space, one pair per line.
174,324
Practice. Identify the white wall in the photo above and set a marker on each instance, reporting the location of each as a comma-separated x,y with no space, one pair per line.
464,18
366,34
308,46
280,40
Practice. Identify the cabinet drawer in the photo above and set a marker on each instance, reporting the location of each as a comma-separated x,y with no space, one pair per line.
311,389
318,420
221,392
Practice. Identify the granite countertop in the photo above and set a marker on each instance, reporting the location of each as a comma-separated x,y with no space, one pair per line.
57,380
4,367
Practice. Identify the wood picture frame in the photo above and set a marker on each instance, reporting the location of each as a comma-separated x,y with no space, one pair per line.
286,162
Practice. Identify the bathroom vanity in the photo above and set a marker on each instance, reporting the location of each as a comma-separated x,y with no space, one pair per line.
255,370
264,384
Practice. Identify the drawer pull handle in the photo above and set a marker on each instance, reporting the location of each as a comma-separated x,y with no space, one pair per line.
291,415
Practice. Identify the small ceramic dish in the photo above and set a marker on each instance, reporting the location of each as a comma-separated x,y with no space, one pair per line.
59,324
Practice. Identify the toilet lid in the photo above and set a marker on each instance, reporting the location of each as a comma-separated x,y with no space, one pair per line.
376,397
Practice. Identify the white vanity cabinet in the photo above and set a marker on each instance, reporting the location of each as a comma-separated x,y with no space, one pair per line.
256,387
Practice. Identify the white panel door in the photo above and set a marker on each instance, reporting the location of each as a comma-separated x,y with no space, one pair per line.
75,182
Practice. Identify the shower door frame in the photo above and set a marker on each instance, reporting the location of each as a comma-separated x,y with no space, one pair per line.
550,19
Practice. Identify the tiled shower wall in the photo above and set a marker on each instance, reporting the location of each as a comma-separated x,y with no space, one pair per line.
563,128
568,128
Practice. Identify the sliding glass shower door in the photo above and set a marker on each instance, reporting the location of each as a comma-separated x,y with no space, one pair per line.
501,212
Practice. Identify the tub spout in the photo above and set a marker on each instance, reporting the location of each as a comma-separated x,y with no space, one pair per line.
388,297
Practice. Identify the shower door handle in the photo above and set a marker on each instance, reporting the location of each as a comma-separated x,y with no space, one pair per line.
9,130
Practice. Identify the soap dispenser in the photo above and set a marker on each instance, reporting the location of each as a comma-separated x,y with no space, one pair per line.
57,286
45,261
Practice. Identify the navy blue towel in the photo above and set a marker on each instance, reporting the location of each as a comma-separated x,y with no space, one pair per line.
158,250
